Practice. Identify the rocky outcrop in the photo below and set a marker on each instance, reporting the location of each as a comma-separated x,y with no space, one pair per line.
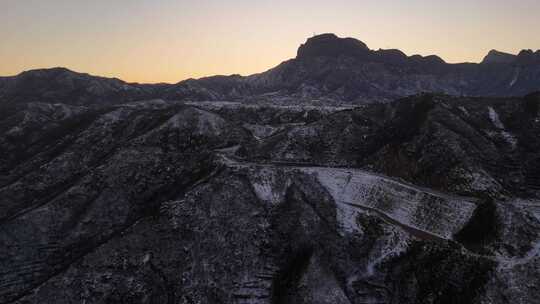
329,45
495,56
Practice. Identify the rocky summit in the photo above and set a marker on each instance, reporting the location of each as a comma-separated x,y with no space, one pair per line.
314,182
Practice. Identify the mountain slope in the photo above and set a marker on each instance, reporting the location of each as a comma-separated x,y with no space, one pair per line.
169,202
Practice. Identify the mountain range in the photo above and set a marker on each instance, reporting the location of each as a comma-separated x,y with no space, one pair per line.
326,69
311,183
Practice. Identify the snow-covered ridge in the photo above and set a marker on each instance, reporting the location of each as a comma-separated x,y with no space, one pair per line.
217,105
429,212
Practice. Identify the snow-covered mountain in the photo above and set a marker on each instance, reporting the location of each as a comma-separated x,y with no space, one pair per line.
428,199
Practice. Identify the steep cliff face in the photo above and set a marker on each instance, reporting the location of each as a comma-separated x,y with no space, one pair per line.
430,199
328,45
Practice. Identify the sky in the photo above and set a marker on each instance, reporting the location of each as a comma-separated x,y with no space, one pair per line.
168,41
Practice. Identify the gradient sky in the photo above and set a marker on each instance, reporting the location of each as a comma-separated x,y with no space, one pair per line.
167,41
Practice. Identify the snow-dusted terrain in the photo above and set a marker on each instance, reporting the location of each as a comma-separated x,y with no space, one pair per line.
330,178
430,199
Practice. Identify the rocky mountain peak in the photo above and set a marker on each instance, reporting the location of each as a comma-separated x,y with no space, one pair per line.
330,45
528,57
47,72
495,56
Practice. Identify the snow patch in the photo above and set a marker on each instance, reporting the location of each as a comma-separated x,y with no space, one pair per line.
389,248
505,263
346,216
494,117
269,185
113,116
507,136
462,108
260,131
514,79
201,121
481,181
425,210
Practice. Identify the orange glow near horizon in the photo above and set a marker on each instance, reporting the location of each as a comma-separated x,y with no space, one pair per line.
168,41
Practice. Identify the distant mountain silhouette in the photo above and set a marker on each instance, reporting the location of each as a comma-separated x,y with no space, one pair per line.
327,68
495,56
